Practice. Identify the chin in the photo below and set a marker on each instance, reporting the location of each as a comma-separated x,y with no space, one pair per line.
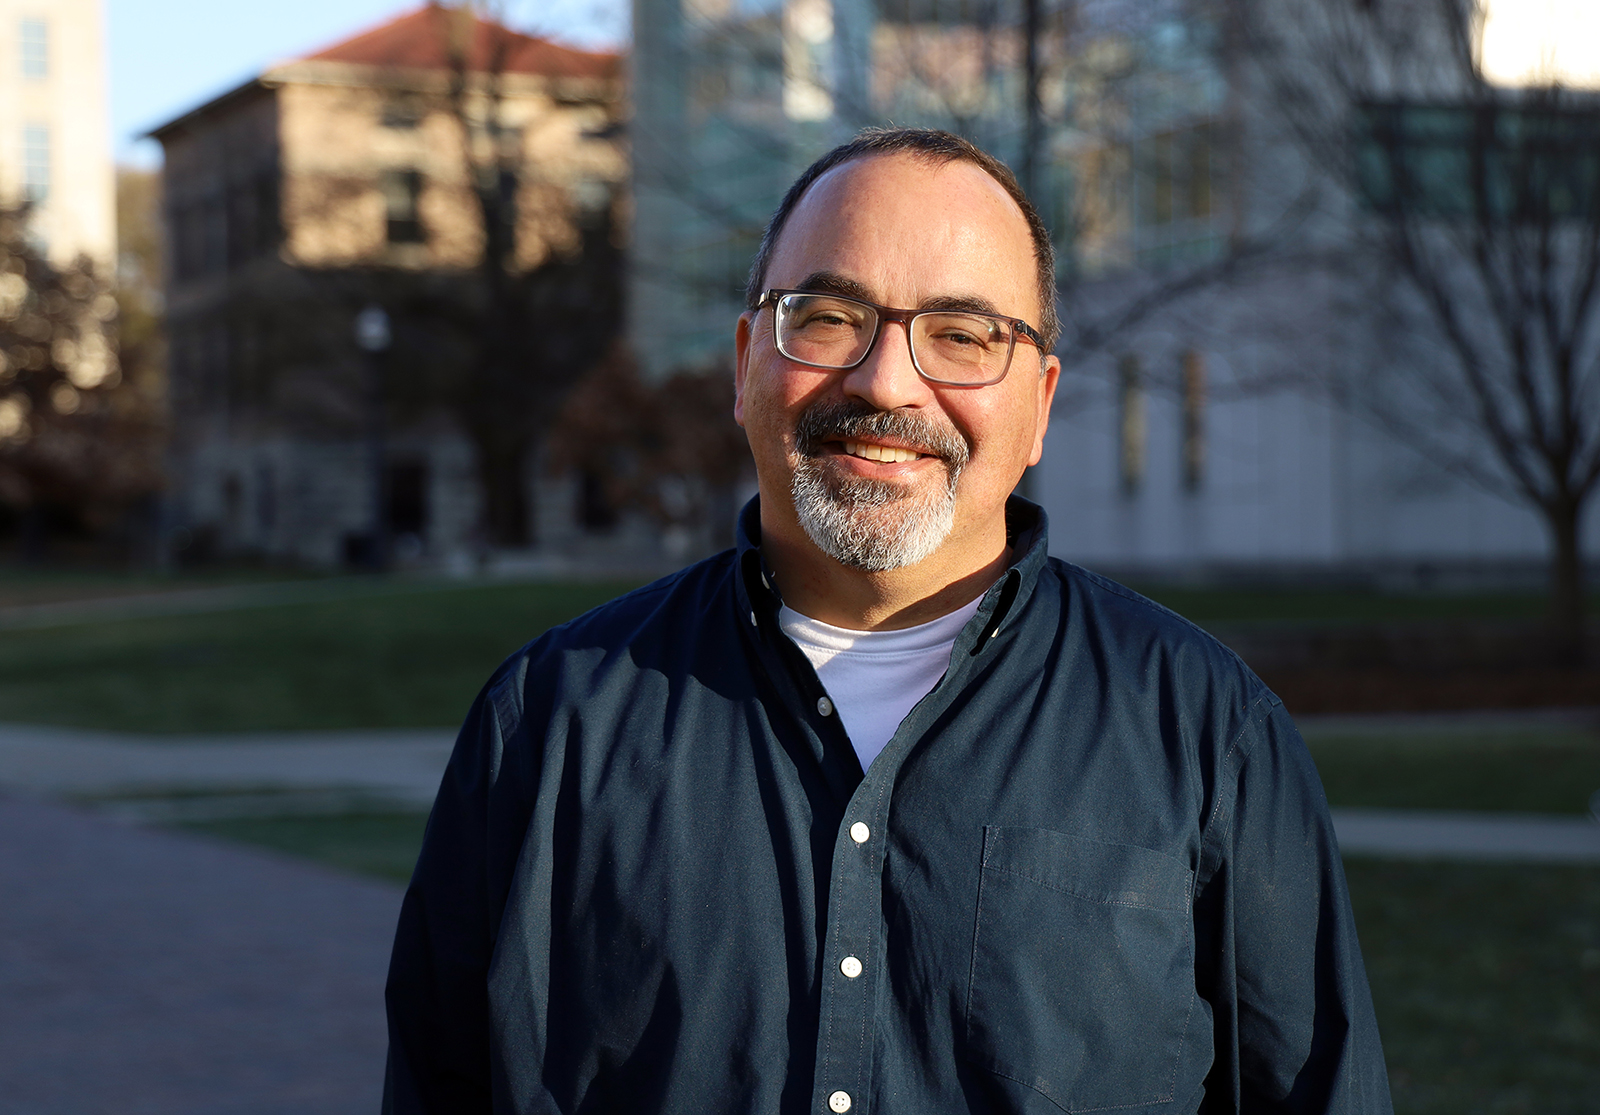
871,525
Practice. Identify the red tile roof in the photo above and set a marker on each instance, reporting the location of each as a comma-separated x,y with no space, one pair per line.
423,39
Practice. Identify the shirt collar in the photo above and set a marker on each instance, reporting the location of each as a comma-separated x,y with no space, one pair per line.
1026,528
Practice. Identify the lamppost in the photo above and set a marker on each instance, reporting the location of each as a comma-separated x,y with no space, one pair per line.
372,335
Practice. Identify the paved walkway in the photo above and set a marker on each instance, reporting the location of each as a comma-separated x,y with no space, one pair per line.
403,766
1437,834
147,973
250,773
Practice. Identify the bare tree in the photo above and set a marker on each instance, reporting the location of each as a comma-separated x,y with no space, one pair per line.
531,331
1468,230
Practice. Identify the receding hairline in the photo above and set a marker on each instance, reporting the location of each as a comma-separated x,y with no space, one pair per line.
936,148
935,160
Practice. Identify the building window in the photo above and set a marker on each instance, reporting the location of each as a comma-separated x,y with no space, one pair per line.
1194,420
266,500
268,220
402,112
405,496
1130,424
36,162
1174,189
402,191
214,232
1486,161
33,37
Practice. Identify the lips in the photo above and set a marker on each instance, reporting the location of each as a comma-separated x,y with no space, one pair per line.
869,434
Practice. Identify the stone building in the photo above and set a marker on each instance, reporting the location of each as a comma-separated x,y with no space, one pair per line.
348,178
55,146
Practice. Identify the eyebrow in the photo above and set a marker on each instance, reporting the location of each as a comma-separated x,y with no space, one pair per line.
831,282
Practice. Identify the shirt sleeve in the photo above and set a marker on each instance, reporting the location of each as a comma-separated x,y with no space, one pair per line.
437,996
1276,949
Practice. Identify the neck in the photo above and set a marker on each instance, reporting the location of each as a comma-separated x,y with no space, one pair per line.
816,585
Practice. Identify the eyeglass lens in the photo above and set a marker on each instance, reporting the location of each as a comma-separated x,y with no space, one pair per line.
950,346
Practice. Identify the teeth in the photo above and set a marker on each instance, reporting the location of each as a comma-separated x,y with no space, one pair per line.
879,452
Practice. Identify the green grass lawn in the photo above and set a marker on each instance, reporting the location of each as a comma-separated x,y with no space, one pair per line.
1537,771
381,844
412,659
22,585
1486,980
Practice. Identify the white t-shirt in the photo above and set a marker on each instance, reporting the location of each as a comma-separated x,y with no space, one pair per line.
874,678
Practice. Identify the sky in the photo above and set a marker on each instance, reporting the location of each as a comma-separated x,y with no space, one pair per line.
167,56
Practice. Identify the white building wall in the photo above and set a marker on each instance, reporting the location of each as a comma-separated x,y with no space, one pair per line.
1289,482
68,102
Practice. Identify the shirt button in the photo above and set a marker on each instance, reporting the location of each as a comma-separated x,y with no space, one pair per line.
752,619
850,966
824,706
840,1102
859,832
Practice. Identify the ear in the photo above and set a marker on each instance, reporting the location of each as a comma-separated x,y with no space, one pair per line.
1046,395
741,363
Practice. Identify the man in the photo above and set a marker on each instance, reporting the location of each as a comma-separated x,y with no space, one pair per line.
1088,867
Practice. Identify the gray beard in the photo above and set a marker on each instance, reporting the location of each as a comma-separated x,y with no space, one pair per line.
873,525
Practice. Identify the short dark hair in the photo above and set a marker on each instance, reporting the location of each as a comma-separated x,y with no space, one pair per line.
937,147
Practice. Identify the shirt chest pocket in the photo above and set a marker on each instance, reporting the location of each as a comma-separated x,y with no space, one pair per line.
1082,976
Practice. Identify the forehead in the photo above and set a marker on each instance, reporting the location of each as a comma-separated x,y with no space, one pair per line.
907,228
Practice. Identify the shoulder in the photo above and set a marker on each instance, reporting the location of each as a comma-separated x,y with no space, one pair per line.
1115,611
1154,650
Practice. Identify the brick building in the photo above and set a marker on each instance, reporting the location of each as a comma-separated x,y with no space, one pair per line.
343,179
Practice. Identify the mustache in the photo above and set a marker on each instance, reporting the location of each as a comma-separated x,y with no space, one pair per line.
854,420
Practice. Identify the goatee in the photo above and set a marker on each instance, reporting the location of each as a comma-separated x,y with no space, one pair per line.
874,525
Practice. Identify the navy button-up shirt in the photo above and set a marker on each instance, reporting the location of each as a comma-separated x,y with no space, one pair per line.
1092,871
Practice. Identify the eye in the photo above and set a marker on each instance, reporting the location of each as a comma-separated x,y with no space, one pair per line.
965,331
955,336
822,314
825,317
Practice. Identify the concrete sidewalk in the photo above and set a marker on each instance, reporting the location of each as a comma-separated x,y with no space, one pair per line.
148,973
402,766
194,777
1438,834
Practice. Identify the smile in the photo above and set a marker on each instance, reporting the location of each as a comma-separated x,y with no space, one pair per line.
889,453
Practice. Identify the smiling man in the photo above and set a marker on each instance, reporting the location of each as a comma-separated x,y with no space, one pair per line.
884,810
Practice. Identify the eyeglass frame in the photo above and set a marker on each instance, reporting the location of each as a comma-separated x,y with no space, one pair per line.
905,317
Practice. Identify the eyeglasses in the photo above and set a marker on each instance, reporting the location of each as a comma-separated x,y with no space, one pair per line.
955,347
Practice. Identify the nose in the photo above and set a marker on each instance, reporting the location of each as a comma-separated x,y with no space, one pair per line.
887,379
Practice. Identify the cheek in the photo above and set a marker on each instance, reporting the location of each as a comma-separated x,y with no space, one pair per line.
1000,433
